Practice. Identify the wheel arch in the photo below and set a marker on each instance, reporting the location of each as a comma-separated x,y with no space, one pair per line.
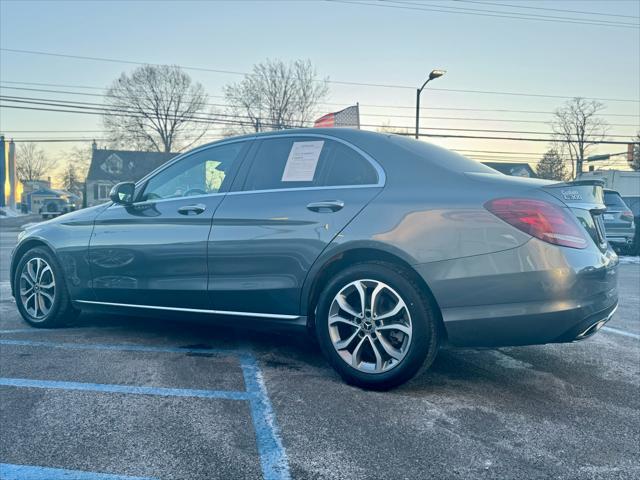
346,257
19,252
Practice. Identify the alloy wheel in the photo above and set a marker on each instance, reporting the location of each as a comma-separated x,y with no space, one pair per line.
370,326
37,288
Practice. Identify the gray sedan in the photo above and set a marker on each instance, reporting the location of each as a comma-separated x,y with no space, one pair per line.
618,221
385,248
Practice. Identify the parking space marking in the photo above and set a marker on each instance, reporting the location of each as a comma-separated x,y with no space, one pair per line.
26,330
127,389
118,347
621,332
27,472
275,465
273,458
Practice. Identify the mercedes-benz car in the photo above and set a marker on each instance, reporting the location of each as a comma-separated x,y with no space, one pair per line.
618,221
384,247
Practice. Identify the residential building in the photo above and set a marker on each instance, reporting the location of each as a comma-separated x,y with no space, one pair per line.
109,167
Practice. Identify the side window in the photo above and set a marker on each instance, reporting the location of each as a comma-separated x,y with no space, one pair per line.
345,166
268,169
293,162
202,173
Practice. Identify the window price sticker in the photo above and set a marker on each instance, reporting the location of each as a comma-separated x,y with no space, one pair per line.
302,162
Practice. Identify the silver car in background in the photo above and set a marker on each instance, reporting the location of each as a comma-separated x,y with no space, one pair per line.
384,247
618,221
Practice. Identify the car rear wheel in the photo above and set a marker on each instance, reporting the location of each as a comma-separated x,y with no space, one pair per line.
376,326
41,292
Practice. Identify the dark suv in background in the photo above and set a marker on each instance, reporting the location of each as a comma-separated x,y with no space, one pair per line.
55,207
618,221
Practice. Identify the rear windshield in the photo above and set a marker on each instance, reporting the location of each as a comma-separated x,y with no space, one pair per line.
613,200
442,157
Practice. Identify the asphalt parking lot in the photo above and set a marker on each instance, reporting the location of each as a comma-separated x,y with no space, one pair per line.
116,397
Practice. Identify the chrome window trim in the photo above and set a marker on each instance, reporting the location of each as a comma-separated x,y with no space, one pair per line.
382,177
196,310
299,189
189,153
163,200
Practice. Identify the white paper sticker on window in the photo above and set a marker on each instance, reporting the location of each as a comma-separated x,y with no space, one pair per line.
302,162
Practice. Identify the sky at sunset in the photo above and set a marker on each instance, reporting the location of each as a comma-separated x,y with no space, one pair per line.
395,44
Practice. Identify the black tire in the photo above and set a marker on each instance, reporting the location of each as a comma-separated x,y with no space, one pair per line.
61,311
423,345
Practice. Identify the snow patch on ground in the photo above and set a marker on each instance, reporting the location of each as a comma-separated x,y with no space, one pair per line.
10,212
624,259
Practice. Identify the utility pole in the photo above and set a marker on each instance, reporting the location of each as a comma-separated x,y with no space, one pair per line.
433,75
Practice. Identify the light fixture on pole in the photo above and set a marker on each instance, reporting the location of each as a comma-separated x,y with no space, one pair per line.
433,75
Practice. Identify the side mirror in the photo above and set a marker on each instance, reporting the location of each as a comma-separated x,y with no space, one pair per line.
122,193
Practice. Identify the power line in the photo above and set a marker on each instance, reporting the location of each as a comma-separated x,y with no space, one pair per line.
582,12
547,140
340,82
473,12
412,107
524,15
247,120
383,115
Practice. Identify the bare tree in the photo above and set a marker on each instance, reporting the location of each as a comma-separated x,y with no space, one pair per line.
155,108
578,126
32,163
275,95
552,166
75,169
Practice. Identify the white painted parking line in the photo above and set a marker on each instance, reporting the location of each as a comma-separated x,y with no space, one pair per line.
624,333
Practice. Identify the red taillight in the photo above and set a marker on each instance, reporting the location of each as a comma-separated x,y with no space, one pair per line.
627,216
540,219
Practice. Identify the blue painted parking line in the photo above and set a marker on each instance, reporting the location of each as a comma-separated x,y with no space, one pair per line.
26,330
27,472
128,389
273,458
116,347
624,333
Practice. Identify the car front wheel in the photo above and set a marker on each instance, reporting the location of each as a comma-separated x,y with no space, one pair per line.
40,290
376,326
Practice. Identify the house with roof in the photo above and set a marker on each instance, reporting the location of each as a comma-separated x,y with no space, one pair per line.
109,167
512,168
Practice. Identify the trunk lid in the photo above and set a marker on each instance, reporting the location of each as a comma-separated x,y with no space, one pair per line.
586,199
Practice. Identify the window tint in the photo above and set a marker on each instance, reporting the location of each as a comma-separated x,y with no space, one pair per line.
198,174
613,199
307,162
344,166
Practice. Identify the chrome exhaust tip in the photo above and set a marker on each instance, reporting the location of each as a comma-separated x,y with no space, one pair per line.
594,327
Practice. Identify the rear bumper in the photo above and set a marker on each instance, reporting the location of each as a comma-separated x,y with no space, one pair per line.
533,294
620,239
508,325
620,236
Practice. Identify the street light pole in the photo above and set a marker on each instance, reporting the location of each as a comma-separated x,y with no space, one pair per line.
433,75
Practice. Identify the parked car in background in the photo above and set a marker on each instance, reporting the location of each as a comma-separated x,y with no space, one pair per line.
55,207
383,246
618,221
627,184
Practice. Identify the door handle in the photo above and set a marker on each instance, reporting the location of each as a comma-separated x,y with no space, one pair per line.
196,209
326,206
